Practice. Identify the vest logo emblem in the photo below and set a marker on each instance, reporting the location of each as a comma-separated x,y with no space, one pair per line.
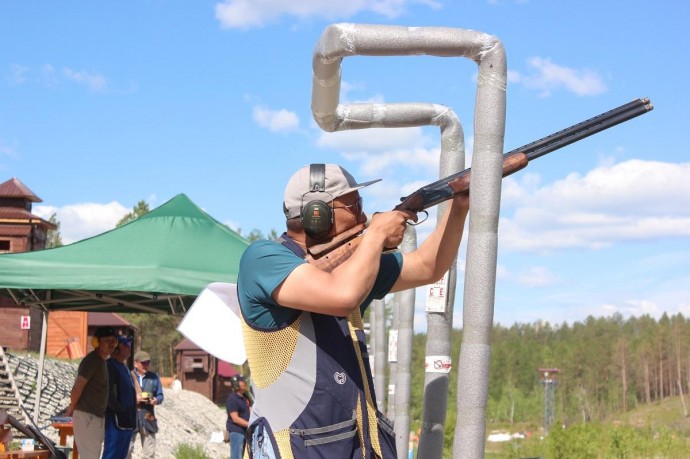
340,378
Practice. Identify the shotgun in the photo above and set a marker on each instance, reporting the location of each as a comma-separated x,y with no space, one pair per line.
328,255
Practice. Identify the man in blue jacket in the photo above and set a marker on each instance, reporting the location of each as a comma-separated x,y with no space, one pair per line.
121,415
151,395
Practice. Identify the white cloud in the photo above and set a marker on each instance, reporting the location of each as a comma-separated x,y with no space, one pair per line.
632,200
246,14
275,120
18,74
379,149
536,276
6,150
94,81
48,77
371,140
81,221
548,77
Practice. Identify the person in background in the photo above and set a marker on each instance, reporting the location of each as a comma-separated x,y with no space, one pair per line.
89,396
121,415
238,407
151,395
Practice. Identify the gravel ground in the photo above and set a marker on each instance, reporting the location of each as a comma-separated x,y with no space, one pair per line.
186,417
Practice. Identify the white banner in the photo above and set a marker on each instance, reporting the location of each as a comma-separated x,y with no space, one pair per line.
213,323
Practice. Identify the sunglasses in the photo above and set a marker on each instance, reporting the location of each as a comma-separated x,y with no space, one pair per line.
357,206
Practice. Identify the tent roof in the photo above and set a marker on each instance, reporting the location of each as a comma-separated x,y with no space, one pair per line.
157,263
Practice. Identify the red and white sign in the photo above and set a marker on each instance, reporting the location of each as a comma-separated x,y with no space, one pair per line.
436,295
25,323
437,364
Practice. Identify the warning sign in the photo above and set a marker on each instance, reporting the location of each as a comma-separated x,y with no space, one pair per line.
25,323
436,295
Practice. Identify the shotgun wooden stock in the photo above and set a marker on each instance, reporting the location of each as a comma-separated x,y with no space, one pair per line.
328,255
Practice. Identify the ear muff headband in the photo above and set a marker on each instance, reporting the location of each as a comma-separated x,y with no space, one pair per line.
317,215
95,342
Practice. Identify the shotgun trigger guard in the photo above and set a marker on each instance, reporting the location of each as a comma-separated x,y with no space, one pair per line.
426,215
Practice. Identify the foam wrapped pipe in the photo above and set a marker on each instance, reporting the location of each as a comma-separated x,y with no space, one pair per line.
342,40
405,335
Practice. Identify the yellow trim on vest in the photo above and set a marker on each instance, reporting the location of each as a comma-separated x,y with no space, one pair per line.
354,319
269,352
283,441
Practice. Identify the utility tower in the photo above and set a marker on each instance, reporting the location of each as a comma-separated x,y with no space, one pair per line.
549,380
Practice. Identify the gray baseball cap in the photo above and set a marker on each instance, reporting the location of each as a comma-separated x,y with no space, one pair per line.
338,182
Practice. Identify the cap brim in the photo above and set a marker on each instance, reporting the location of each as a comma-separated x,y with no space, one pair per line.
359,186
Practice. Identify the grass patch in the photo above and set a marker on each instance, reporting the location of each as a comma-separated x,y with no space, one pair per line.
185,451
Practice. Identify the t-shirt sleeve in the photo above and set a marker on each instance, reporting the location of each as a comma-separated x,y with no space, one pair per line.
235,405
389,271
263,267
266,264
87,368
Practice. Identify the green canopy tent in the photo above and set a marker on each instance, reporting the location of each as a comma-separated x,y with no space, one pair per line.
159,262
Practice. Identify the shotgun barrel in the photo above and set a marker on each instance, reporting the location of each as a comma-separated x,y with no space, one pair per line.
330,254
514,160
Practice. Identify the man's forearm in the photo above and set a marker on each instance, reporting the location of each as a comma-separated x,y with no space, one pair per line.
441,247
433,258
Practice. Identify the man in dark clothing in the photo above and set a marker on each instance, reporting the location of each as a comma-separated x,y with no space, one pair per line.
121,415
238,407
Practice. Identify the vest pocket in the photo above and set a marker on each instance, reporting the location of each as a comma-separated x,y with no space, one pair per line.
336,440
260,441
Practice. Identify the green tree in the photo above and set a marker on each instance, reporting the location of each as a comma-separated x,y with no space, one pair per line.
140,209
54,238
257,234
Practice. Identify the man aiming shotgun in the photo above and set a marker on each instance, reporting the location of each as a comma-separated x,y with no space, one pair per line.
302,296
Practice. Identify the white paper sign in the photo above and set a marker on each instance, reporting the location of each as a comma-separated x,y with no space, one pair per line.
437,364
436,295
393,346
213,323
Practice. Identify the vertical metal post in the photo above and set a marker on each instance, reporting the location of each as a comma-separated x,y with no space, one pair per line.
41,360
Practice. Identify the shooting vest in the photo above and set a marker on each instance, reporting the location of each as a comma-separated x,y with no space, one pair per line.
313,390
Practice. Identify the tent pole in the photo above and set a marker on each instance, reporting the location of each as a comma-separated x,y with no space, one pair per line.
41,359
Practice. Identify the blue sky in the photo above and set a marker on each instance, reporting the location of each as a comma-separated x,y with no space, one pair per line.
103,104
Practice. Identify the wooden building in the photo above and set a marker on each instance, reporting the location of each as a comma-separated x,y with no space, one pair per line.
199,371
20,231
70,332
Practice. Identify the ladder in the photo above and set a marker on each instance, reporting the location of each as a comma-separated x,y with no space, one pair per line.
10,398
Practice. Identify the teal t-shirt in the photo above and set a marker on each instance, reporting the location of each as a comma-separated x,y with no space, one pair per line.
266,264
